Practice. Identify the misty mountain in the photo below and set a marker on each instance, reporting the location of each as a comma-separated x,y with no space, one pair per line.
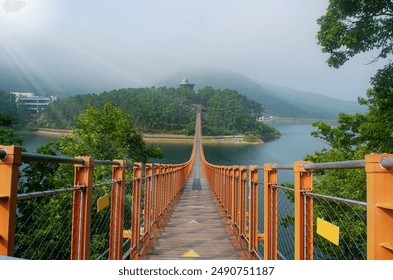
12,80
58,83
277,100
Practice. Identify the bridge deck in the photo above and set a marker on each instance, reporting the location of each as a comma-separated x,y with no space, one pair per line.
197,228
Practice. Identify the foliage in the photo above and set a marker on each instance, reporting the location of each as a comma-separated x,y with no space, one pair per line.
230,111
251,138
8,120
348,28
7,104
106,134
7,136
168,110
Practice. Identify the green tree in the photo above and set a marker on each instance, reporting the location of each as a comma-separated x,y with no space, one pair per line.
106,134
348,28
7,136
7,104
8,120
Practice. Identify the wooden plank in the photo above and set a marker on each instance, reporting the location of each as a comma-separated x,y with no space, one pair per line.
197,229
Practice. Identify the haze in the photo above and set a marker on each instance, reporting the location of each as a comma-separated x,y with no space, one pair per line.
91,46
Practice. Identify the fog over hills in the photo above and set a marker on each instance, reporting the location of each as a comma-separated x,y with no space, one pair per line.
11,79
277,100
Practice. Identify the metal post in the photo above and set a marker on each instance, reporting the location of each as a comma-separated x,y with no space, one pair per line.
218,175
231,191
117,211
253,210
156,195
81,210
136,211
148,188
228,190
243,201
236,187
270,212
9,169
220,186
303,212
166,186
225,188
170,184
379,208
162,192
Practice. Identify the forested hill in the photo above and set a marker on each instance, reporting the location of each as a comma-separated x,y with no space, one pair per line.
165,109
277,100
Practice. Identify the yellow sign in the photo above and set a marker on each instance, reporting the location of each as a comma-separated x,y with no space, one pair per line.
328,231
191,254
102,202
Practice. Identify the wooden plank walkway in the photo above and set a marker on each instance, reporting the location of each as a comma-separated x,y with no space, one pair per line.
197,228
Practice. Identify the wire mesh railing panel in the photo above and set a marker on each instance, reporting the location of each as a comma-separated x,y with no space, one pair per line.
100,223
127,206
285,225
348,220
127,217
142,211
43,228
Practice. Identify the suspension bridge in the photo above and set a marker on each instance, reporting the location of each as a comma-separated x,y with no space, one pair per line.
193,210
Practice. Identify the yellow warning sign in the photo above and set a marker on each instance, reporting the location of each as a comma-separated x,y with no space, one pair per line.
328,231
191,254
102,202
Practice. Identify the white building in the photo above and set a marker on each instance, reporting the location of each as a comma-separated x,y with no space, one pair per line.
33,103
265,119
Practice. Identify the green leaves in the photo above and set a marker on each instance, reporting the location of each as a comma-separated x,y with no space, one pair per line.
350,27
106,134
161,110
7,136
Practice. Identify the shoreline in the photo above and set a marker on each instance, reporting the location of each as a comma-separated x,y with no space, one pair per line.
156,138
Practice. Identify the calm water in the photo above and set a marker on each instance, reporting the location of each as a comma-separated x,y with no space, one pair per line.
33,141
294,144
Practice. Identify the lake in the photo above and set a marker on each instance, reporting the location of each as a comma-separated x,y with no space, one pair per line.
294,144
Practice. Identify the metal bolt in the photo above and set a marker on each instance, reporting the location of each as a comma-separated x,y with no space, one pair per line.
3,154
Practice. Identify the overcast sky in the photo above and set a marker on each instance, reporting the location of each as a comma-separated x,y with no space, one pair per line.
126,43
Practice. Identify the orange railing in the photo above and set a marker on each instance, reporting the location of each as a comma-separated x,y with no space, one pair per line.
254,213
236,188
128,223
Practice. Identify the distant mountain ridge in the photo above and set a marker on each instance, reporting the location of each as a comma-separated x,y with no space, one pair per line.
277,100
